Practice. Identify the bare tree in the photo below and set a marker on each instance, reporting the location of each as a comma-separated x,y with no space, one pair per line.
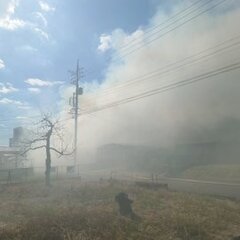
48,129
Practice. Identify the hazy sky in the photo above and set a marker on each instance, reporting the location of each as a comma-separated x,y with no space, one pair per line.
41,40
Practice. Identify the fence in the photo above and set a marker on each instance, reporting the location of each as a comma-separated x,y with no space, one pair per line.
16,175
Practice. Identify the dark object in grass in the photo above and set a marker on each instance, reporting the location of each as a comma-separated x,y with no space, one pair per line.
125,208
124,203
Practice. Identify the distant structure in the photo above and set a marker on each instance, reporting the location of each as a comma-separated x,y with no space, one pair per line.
133,157
19,134
10,156
174,159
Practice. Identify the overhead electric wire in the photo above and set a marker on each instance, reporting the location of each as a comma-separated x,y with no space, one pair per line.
115,58
172,29
161,71
165,88
133,98
151,29
169,87
153,33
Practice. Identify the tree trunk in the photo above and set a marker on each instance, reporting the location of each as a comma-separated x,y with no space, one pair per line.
48,164
47,173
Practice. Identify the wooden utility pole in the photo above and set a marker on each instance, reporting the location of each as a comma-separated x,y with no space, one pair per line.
76,114
75,104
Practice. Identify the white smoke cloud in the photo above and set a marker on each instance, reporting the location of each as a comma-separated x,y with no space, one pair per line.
105,42
180,115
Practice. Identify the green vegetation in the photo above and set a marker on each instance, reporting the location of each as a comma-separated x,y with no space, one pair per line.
215,172
71,210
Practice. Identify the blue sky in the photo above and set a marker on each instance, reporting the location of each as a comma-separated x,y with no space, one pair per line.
41,40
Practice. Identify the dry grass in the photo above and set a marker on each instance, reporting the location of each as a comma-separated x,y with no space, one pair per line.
217,172
74,211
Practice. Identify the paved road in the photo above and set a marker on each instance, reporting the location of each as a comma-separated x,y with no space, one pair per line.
203,187
216,188
223,189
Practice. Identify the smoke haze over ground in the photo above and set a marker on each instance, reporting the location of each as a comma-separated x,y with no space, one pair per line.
195,113
206,111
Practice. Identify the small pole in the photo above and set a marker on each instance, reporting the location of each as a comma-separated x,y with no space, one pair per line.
9,177
26,174
152,177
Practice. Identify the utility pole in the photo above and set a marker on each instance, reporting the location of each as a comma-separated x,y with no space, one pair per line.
76,114
74,102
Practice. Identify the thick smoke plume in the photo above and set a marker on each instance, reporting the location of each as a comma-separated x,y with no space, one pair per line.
200,112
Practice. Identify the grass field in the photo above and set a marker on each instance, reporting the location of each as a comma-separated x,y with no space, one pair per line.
71,210
219,172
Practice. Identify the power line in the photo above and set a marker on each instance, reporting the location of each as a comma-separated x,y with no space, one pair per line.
192,61
115,58
172,29
169,87
153,33
151,29
173,66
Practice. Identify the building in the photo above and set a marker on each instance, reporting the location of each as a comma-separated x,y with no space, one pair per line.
10,156
19,134
131,157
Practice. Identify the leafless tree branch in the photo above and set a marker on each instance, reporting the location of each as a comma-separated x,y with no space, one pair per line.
33,148
62,153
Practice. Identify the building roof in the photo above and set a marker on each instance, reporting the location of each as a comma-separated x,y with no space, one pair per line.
9,149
